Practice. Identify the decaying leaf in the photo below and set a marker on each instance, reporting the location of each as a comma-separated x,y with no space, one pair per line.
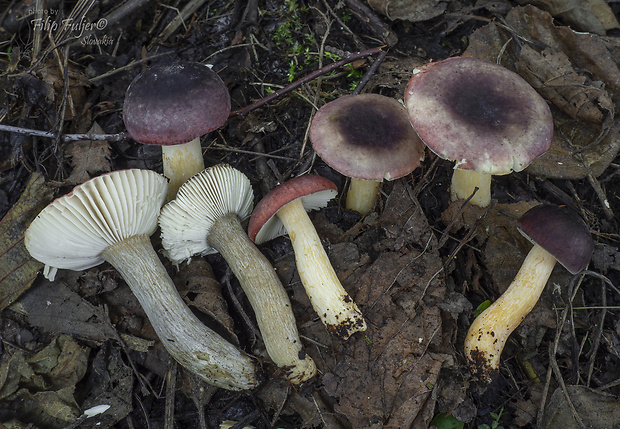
111,384
17,268
89,157
551,73
53,307
200,289
597,410
41,389
580,15
576,71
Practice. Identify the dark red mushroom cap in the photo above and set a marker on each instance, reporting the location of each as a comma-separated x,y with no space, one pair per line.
173,104
366,136
315,191
479,114
561,232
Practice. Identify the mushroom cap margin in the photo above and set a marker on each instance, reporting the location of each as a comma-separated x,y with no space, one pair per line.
315,192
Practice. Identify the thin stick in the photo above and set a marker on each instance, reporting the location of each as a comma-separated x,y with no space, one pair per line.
323,70
65,137
373,68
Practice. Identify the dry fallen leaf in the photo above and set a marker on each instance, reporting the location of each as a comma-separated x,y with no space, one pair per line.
42,387
89,157
597,410
17,268
579,14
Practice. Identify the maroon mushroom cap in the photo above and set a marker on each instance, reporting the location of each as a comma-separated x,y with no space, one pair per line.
366,136
173,104
479,114
561,232
316,191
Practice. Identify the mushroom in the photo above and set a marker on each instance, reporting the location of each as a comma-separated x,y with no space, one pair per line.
483,116
110,218
558,234
284,210
368,138
205,218
172,106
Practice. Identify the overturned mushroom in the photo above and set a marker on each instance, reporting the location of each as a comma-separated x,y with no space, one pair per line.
558,234
483,116
205,218
283,211
110,218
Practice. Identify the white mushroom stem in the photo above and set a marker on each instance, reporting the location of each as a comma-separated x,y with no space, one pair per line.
465,181
267,297
332,303
188,341
488,334
362,195
180,162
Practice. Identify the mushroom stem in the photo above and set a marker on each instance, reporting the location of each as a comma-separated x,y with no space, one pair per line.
188,341
362,195
489,332
180,162
465,181
267,297
337,310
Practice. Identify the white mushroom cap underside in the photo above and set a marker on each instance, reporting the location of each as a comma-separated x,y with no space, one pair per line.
73,230
185,221
274,227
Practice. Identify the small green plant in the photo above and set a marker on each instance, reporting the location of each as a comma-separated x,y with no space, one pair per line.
495,424
446,421
483,306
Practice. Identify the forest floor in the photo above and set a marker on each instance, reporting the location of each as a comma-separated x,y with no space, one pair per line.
418,266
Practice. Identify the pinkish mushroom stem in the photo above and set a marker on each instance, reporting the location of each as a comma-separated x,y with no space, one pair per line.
180,162
488,334
362,195
337,310
465,182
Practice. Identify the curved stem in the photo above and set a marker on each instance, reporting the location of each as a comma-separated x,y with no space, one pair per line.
362,195
189,342
465,181
337,310
180,162
489,332
267,297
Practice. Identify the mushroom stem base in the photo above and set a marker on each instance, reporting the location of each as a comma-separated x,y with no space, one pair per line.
362,195
267,297
189,342
489,332
465,181
337,310
180,162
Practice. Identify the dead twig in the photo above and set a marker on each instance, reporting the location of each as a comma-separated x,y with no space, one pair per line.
65,137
